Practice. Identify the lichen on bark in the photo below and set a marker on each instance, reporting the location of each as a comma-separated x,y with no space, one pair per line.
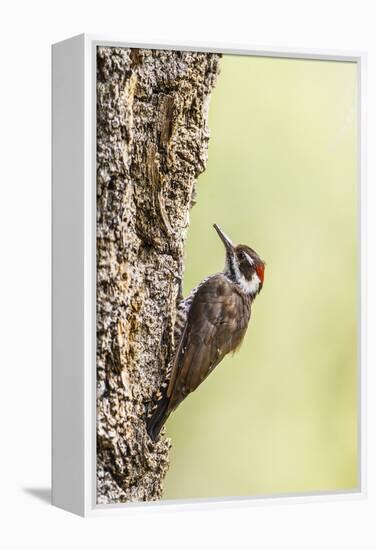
152,143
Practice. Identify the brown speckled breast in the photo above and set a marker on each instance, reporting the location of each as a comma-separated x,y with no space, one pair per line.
216,323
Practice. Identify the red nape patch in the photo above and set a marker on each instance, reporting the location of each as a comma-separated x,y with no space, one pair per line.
260,272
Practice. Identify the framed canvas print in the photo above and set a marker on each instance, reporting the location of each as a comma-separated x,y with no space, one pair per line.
207,275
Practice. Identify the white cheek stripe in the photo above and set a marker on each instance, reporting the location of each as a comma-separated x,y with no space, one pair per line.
252,286
251,260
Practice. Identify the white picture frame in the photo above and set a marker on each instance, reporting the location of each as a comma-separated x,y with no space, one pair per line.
74,269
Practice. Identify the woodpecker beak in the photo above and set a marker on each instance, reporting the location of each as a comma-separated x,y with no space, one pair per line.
224,238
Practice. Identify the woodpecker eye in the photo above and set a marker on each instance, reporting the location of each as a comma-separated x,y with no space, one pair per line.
244,257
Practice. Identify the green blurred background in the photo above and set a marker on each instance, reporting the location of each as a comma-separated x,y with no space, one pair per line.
280,416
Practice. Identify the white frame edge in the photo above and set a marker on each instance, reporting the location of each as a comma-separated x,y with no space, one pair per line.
74,276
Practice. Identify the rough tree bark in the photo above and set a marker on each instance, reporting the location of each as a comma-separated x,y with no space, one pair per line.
152,140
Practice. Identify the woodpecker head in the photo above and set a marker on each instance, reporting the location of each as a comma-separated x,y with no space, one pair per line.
243,265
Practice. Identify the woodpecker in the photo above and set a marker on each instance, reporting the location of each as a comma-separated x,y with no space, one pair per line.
211,322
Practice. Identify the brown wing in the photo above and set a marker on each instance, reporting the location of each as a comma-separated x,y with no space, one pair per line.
216,324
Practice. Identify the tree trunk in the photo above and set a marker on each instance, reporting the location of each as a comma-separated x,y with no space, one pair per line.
152,141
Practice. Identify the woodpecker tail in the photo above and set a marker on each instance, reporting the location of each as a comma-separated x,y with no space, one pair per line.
158,418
